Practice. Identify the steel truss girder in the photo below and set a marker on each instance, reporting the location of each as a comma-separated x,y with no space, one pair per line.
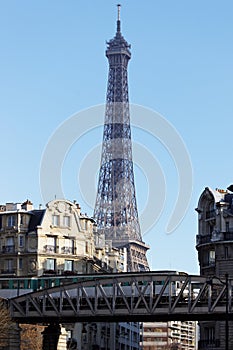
127,296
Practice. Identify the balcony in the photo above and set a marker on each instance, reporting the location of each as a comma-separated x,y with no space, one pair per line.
220,236
49,272
203,239
228,236
50,249
8,272
100,263
68,273
67,250
8,249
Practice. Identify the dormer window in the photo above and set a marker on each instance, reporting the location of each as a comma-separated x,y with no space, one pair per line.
210,211
21,219
11,220
55,220
66,221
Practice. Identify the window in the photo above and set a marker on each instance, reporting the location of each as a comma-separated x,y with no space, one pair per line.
226,252
11,220
68,265
51,241
211,228
210,211
20,263
211,257
227,226
21,219
50,264
55,220
69,246
209,333
51,244
9,265
66,221
21,241
84,224
10,246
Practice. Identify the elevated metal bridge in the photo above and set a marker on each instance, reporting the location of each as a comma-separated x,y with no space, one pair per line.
147,296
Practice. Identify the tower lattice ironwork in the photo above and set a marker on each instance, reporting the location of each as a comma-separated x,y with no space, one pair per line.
116,211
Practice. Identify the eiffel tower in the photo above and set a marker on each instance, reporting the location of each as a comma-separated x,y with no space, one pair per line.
116,211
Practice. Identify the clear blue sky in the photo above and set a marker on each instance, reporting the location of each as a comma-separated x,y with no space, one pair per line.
52,65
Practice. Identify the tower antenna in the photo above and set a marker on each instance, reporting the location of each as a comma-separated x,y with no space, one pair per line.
118,11
118,17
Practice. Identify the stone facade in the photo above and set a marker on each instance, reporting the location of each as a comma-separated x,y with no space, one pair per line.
55,240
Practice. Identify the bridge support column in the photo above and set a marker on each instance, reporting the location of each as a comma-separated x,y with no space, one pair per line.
14,337
62,339
51,336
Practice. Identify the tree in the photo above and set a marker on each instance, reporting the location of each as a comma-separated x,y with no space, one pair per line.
31,337
5,323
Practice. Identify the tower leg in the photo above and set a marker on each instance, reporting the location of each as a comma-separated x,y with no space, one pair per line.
51,336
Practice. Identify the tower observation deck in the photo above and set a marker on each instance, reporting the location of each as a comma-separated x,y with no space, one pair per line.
116,211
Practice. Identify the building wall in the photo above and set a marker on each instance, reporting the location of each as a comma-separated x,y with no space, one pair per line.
165,335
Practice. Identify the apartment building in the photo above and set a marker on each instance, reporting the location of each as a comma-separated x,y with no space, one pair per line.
169,335
214,243
50,241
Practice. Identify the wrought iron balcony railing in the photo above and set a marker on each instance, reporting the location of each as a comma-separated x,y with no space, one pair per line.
8,249
203,239
68,250
208,344
8,271
50,272
50,249
220,236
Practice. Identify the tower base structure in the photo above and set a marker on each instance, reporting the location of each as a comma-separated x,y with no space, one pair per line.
136,255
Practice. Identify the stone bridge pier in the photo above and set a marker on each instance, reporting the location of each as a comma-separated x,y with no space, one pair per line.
14,337
54,337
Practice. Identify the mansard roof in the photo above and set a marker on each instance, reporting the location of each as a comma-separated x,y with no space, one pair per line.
36,219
